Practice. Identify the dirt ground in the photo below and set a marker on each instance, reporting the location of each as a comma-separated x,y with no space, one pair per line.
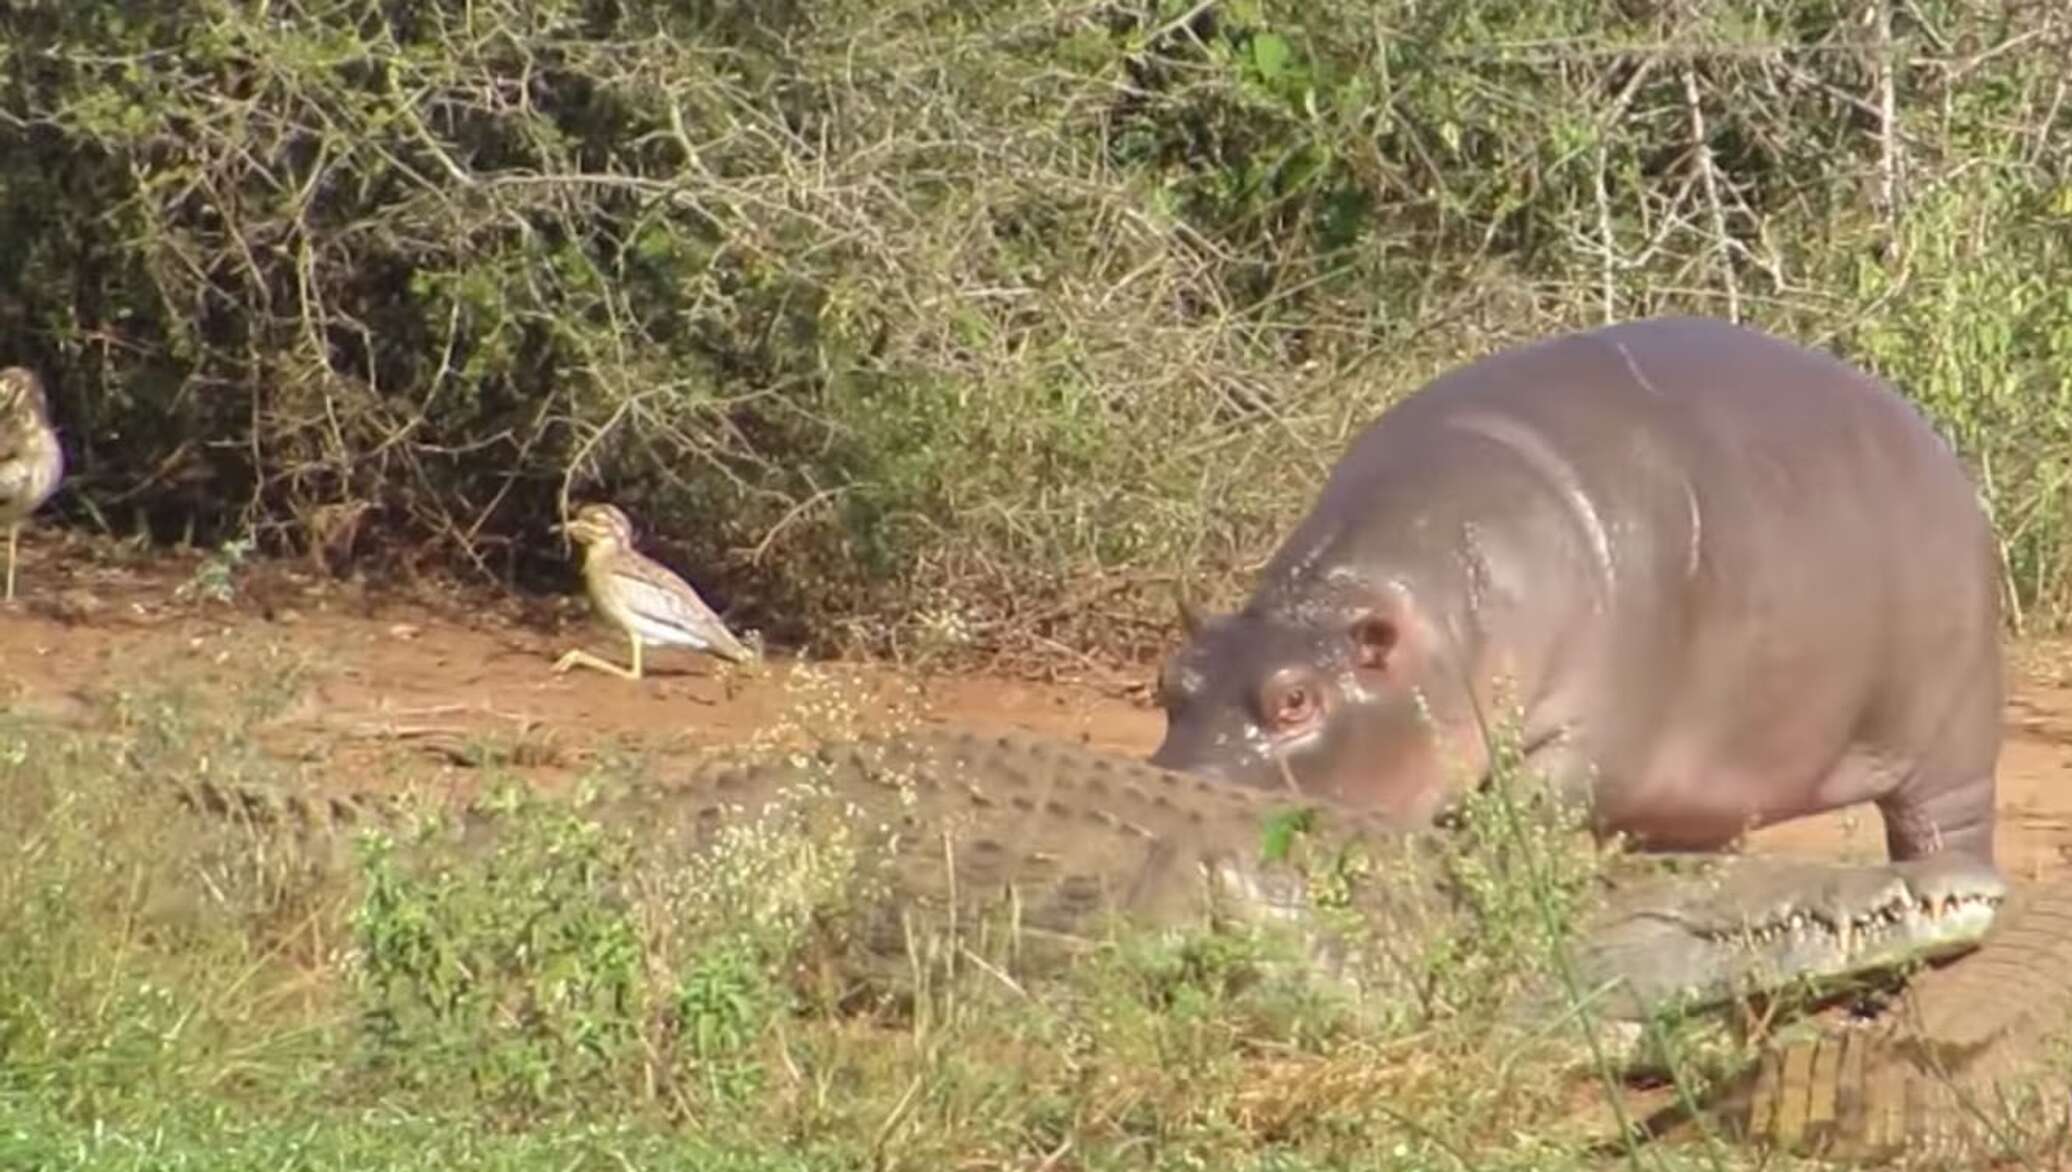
433,666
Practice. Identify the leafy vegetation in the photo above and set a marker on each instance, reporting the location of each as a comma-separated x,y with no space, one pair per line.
930,327
180,989
934,326
926,327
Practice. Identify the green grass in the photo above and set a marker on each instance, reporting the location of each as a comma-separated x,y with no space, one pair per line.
221,1137
177,991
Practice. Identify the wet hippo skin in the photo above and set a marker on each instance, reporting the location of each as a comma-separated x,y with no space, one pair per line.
1724,579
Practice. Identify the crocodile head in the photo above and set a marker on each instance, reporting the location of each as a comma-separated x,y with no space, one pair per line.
1669,941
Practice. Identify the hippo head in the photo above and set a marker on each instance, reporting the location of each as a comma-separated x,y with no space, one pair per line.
1327,701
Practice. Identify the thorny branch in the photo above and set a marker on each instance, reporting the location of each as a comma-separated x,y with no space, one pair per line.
1708,179
854,325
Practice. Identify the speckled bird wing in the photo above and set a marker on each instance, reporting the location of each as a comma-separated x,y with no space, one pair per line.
665,609
30,465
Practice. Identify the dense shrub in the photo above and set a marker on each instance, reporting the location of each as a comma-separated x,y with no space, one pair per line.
928,323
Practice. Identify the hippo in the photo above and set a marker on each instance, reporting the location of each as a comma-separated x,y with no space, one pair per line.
1717,579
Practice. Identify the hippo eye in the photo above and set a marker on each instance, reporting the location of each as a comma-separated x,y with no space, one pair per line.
1289,705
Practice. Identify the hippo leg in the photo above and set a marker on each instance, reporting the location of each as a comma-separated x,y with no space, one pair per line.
1946,801
1951,816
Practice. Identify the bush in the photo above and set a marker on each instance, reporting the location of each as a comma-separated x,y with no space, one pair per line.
938,325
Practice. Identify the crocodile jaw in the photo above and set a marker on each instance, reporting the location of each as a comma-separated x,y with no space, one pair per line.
1894,932
1658,947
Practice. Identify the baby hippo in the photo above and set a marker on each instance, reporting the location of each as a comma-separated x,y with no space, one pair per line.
1724,579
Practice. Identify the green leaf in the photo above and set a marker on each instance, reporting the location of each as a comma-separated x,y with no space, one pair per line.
1281,829
1270,55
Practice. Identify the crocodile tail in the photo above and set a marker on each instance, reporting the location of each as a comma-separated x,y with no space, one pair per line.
1862,1096
1838,1096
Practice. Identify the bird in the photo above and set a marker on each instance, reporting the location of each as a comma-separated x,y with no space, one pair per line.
31,463
643,597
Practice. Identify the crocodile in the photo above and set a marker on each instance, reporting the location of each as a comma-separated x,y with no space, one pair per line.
1076,837
1969,1063
1071,835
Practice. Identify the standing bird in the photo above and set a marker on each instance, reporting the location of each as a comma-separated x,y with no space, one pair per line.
646,600
31,463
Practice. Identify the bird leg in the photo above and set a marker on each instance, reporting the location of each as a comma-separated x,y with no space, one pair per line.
585,659
14,532
581,658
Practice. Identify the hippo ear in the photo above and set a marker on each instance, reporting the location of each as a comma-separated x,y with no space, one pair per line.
1190,614
1374,641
